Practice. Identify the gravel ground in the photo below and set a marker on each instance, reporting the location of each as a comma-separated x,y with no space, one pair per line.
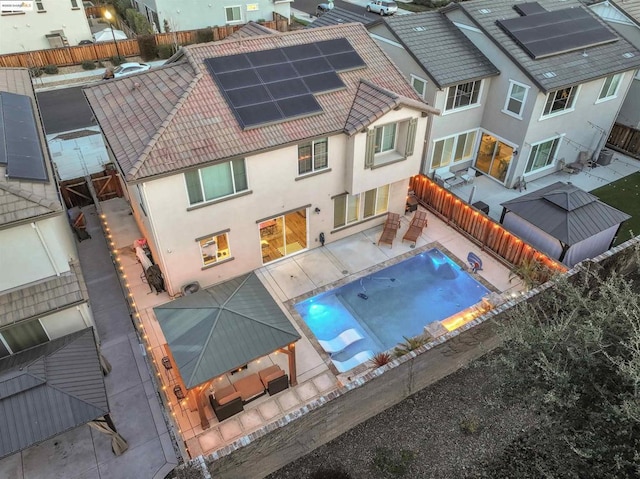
434,424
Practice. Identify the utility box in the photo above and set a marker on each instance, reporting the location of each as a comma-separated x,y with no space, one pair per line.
605,157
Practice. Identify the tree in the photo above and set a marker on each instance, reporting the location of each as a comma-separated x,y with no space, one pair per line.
573,354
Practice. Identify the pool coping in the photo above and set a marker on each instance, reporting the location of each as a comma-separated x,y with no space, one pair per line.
326,357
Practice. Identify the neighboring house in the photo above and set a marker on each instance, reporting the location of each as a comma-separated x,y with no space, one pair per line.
194,14
514,105
42,291
564,222
624,17
235,166
42,24
338,16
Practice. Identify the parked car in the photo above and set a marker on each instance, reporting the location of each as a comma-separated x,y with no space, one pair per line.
323,8
85,42
382,7
125,69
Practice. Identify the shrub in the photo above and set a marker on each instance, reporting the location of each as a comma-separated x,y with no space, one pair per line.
393,463
115,60
35,71
138,22
100,64
330,473
204,35
410,344
165,51
167,27
148,47
50,69
381,359
88,65
470,425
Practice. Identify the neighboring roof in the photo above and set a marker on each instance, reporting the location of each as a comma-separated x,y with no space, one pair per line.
338,16
39,299
198,127
251,29
630,7
50,389
566,212
220,328
566,69
440,48
22,199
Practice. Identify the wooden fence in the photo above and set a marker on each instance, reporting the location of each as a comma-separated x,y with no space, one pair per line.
625,139
100,51
477,226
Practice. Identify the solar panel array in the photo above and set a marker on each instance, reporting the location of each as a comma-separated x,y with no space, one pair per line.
274,85
550,33
20,147
529,8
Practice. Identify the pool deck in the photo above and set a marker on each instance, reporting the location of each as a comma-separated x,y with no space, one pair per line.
287,279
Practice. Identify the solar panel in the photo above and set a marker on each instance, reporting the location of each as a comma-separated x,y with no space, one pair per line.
551,33
323,82
530,8
21,148
274,85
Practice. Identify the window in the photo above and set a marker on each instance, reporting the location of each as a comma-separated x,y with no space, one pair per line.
385,138
74,4
23,336
214,248
234,14
516,99
349,209
216,181
463,95
453,149
40,7
610,87
419,85
312,156
560,100
390,143
542,154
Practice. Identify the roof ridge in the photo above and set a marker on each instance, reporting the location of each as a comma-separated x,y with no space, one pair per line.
52,205
163,127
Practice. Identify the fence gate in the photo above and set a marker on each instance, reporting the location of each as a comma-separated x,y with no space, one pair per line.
75,193
106,185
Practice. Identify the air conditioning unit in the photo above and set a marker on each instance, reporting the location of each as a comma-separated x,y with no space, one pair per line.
190,288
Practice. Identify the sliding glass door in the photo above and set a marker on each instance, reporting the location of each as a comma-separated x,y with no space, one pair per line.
283,235
494,157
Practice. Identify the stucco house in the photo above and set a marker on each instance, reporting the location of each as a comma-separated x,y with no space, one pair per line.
515,106
42,292
193,14
247,151
43,24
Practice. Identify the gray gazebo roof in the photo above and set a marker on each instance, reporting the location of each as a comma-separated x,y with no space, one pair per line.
50,389
566,212
223,327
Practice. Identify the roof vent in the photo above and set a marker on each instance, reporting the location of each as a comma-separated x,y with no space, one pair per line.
549,74
629,55
484,11
419,29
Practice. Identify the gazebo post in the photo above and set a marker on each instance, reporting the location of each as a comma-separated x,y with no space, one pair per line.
290,351
199,394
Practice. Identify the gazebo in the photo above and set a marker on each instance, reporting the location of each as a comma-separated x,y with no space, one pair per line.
221,329
563,221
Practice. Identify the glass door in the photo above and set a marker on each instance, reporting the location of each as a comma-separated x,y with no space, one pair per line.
494,157
283,235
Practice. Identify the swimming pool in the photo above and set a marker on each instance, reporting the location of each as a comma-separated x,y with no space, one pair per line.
392,303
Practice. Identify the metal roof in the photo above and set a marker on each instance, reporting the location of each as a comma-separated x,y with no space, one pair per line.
50,389
221,328
557,71
338,16
440,48
566,212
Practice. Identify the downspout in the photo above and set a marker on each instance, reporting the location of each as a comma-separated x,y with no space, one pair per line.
156,240
565,249
427,134
46,248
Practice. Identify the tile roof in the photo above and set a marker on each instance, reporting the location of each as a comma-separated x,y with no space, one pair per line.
201,128
440,48
338,16
568,69
22,199
251,29
41,298
630,7
50,389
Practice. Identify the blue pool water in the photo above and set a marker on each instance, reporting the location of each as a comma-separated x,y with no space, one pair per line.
392,303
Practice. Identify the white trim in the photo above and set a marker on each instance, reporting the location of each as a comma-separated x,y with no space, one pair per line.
456,137
232,22
467,27
416,77
615,93
555,154
385,40
505,109
466,107
561,112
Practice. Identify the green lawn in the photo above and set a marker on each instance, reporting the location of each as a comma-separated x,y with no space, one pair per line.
412,7
624,194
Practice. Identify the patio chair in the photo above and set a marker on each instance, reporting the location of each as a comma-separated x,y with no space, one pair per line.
388,235
418,222
580,163
469,176
340,342
352,362
393,221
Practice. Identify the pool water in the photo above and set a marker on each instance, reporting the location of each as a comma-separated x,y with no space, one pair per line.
393,303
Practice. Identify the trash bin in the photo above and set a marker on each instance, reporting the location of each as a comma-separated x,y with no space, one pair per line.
605,157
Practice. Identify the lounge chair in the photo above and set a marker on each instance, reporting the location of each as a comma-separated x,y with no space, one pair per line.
388,235
418,222
340,342
352,362
393,221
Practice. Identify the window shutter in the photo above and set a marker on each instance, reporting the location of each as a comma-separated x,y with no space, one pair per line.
370,149
411,137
